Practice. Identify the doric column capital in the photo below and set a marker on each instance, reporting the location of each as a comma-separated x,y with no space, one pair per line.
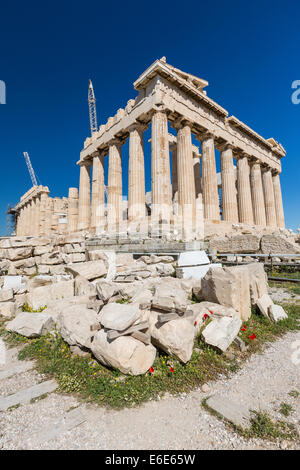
86,162
137,126
181,122
117,141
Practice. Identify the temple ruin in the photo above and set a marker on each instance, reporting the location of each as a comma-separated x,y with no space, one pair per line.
185,195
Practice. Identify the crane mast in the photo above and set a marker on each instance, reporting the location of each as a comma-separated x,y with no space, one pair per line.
30,169
92,108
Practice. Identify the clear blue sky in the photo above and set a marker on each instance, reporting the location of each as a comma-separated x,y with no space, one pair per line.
248,52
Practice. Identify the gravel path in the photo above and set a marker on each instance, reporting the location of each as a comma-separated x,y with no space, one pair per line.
170,423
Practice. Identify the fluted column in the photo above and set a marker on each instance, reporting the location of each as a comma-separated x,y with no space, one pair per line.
161,196
37,215
269,198
44,197
98,194
174,173
114,199
84,207
229,195
72,210
278,200
244,191
209,180
197,176
32,217
25,218
136,174
186,180
258,201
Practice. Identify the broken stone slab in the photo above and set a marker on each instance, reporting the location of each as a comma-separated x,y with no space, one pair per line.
277,243
43,295
263,304
7,309
56,428
196,272
74,324
119,316
142,297
90,269
175,337
221,332
143,337
95,305
6,295
106,290
83,287
154,259
174,316
112,334
258,281
276,313
236,243
55,307
230,410
164,269
125,353
52,258
15,254
28,394
240,343
168,296
15,369
31,325
229,287
38,281
193,258
13,282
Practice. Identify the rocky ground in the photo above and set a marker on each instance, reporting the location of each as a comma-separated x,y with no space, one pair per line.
62,422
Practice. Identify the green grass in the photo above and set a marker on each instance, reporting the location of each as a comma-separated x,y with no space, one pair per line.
94,382
263,427
294,393
285,409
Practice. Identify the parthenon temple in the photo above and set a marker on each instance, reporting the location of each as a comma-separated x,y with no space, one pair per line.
187,127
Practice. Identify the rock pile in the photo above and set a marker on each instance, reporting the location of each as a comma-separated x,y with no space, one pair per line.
122,309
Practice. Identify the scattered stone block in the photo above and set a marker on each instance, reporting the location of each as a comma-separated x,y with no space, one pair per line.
196,272
6,295
125,353
193,258
74,323
276,313
230,410
263,304
43,295
31,325
258,281
28,394
222,332
119,316
83,287
7,310
90,269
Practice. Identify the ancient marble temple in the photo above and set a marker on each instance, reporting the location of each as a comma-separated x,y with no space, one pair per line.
187,127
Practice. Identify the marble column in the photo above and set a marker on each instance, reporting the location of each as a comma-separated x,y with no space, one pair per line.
136,174
197,176
278,200
161,194
174,174
72,210
186,179
229,195
209,180
32,217
244,191
114,197
25,218
258,202
269,198
84,205
98,193
44,197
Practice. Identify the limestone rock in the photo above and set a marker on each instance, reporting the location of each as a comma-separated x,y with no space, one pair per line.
125,353
221,332
55,307
83,287
264,303
229,287
52,258
119,316
175,337
276,243
258,281
230,410
14,254
168,296
236,243
74,324
106,290
164,269
43,295
90,269
276,313
31,325
6,295
142,297
7,310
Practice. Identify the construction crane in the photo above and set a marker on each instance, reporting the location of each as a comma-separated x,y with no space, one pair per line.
92,108
30,169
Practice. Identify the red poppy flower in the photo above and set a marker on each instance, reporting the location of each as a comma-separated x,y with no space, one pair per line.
253,336
244,328
151,370
171,369
195,323
211,312
205,316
